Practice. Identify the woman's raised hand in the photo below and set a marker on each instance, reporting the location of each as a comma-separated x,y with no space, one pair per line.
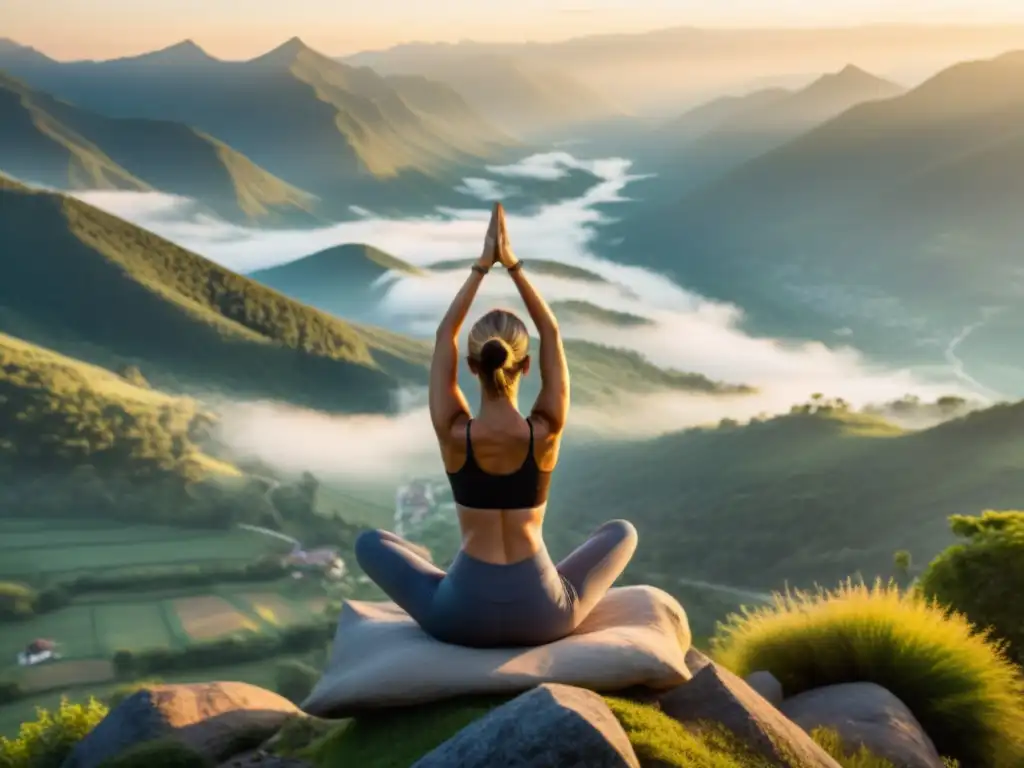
489,254
505,255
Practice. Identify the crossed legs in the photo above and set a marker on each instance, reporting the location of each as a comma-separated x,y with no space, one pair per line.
594,566
407,576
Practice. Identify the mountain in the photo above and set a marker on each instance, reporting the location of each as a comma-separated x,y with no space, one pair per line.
350,280
50,142
813,496
343,133
742,128
97,288
898,219
522,98
652,72
345,280
706,117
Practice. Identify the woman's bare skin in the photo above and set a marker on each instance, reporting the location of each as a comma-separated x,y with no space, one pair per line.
500,435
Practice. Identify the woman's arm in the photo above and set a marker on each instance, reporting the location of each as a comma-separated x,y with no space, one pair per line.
447,403
552,403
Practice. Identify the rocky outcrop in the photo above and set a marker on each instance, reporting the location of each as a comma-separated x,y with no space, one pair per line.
717,696
866,714
552,726
216,720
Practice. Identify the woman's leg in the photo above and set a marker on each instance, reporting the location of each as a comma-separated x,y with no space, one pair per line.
594,566
399,568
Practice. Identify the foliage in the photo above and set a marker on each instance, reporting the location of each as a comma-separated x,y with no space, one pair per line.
967,696
295,680
49,739
17,601
159,753
183,321
797,499
983,577
236,649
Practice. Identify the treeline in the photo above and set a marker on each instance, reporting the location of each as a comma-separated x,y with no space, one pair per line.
300,638
21,602
57,414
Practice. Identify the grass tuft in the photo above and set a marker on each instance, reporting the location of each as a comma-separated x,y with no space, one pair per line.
958,682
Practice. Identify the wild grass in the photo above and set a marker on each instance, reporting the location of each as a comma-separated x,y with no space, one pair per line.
958,682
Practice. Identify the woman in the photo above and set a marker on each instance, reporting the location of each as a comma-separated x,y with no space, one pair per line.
503,588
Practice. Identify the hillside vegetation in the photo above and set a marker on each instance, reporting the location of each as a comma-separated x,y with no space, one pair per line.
343,280
343,133
54,143
101,289
817,495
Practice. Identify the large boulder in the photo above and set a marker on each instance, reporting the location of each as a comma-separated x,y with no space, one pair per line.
635,637
717,696
217,720
868,714
552,726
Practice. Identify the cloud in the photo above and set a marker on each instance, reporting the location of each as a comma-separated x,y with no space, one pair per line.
688,333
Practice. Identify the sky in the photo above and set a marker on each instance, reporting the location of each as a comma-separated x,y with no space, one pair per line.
238,29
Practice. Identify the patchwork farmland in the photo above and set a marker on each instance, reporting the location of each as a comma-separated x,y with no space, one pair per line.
95,625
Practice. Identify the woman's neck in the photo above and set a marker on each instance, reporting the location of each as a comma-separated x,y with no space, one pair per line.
497,408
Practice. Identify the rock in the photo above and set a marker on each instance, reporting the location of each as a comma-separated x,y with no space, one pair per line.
765,684
868,714
552,726
217,720
716,695
635,636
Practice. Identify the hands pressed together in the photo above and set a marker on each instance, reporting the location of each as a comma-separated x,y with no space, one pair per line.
497,248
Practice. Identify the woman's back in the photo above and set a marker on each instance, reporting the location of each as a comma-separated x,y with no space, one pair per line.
502,588
500,468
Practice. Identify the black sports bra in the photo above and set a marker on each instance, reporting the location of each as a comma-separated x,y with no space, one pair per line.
526,488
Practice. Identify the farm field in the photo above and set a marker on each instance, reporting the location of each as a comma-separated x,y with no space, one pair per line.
46,549
96,625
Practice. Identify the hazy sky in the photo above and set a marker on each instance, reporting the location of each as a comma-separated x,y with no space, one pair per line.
243,28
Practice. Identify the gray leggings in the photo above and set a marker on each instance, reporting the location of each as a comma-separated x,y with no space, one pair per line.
483,605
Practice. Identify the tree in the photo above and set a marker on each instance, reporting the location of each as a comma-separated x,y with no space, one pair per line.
901,561
983,577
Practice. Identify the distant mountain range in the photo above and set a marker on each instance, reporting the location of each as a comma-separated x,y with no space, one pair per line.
342,133
654,72
716,137
898,219
57,144
514,93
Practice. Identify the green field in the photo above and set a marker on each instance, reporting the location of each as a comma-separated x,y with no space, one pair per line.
57,549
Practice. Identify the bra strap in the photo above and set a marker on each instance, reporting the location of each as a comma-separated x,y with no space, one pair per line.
530,425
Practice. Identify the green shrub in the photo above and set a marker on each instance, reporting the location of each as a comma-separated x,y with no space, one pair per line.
17,601
983,578
159,753
46,741
237,649
966,694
